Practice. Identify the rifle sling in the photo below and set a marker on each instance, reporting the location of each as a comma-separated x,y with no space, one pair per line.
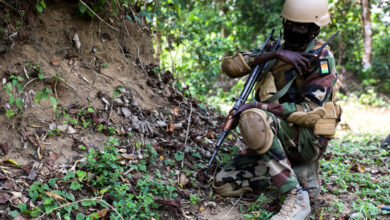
279,94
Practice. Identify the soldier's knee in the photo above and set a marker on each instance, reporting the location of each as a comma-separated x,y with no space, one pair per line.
255,130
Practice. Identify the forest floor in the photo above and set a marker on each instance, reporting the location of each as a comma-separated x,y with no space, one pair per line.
98,131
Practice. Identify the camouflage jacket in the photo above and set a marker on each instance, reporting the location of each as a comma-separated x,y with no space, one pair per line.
308,91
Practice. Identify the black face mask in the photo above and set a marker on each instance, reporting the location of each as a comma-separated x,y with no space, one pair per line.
297,40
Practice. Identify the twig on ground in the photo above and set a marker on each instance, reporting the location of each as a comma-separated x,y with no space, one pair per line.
124,24
55,89
227,214
110,114
139,58
25,85
114,209
136,211
112,27
188,129
120,47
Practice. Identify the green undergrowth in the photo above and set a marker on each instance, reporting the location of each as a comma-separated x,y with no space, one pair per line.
16,84
356,172
104,182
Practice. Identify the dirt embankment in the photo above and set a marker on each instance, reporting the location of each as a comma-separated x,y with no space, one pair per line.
102,83
106,60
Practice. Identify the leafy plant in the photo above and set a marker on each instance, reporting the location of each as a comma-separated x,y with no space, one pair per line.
14,89
40,6
46,94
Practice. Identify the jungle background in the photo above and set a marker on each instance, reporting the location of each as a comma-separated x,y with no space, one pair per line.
111,108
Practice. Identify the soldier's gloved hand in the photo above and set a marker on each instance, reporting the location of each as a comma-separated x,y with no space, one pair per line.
301,61
243,108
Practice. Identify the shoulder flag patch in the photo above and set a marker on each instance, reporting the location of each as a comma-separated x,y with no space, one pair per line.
324,65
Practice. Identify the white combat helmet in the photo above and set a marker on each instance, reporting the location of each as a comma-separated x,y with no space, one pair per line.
307,11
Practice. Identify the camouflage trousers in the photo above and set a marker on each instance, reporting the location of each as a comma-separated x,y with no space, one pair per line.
290,144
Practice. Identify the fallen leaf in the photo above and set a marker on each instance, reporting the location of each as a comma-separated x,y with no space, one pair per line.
211,135
73,111
170,127
32,175
4,147
56,196
18,198
202,208
102,213
183,179
77,42
127,156
53,156
71,130
170,203
4,197
55,62
175,111
7,160
358,168
211,204
9,184
27,169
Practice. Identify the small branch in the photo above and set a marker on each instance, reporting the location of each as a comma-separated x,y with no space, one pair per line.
124,24
68,204
110,114
114,209
120,47
227,214
112,27
140,61
55,89
188,129
97,199
25,85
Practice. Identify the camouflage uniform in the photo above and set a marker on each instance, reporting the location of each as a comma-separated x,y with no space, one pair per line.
291,144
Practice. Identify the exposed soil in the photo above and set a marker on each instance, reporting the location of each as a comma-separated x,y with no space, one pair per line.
83,73
114,74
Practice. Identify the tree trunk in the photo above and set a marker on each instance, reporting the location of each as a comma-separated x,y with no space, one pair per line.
367,27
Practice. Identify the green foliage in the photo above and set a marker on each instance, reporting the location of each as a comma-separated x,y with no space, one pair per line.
108,174
257,207
40,6
46,94
193,37
194,198
340,174
14,89
50,199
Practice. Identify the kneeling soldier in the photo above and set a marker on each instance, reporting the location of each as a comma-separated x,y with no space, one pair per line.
286,133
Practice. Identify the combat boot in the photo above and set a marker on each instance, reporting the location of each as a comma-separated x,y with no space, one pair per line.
296,206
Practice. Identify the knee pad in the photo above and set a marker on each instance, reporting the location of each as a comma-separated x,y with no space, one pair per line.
255,130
